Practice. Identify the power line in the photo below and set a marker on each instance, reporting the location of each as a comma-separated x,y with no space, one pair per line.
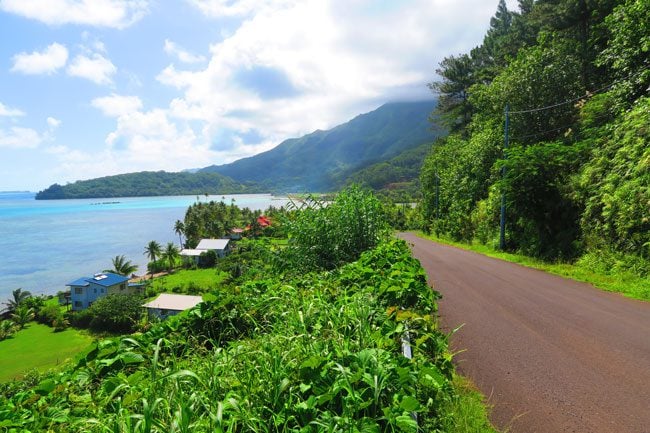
574,100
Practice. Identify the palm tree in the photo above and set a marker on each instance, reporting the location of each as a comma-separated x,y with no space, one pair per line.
7,328
179,229
18,295
122,266
22,316
170,254
153,250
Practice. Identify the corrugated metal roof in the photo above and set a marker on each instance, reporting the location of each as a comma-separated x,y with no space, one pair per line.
191,253
168,301
105,279
213,244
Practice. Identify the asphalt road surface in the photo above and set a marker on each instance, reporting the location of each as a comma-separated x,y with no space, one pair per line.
551,354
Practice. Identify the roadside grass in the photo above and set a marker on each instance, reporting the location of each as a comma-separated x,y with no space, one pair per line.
39,347
470,410
189,281
622,282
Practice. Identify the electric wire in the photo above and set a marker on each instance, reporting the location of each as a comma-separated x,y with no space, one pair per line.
588,95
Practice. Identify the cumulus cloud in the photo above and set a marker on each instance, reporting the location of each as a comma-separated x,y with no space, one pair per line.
19,138
95,68
10,112
47,61
100,13
173,49
295,66
117,105
53,122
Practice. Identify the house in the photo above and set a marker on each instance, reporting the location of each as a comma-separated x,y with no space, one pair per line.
167,304
219,246
86,290
236,234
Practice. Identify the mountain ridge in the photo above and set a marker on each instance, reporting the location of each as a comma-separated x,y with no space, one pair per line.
316,162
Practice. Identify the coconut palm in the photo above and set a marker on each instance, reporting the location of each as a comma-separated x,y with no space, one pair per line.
18,296
7,328
22,315
170,254
179,229
153,250
122,266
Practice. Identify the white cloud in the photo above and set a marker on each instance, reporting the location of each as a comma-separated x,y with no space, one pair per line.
48,61
95,68
231,8
19,138
295,66
10,112
100,13
181,54
53,123
117,105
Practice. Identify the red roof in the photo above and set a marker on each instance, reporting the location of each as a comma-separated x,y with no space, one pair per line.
263,221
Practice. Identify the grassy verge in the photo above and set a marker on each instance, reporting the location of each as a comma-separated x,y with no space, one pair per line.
470,409
38,346
620,282
189,281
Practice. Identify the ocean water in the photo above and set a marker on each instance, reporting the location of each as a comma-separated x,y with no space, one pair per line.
45,244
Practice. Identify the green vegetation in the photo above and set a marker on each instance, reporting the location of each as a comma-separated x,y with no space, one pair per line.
272,350
146,183
122,266
113,314
38,347
575,178
396,178
617,277
189,281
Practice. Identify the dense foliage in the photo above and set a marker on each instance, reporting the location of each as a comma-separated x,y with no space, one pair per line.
574,78
315,352
116,313
146,183
325,236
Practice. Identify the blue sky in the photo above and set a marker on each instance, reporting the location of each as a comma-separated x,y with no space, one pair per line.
91,88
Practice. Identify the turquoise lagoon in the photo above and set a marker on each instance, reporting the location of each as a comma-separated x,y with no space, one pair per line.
45,244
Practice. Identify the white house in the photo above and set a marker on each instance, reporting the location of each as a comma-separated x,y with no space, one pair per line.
220,246
86,290
167,304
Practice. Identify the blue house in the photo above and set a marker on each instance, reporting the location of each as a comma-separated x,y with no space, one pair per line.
85,291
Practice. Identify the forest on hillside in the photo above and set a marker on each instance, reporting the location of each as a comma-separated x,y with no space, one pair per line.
573,77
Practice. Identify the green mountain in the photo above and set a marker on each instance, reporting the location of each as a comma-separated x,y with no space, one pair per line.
320,161
145,183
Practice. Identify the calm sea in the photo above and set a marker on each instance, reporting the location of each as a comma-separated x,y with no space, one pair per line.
45,244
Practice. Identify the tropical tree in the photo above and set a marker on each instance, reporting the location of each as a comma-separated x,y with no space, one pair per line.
170,254
17,297
22,316
153,250
179,229
122,266
7,328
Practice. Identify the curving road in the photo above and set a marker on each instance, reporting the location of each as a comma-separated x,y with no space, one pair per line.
551,354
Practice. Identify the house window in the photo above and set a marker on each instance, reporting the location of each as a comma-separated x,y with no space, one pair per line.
95,289
78,291
78,304
102,290
123,286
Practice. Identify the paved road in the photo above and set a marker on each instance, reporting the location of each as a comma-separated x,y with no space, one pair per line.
552,355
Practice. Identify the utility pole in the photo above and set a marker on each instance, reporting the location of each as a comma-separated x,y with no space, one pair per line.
437,202
502,234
